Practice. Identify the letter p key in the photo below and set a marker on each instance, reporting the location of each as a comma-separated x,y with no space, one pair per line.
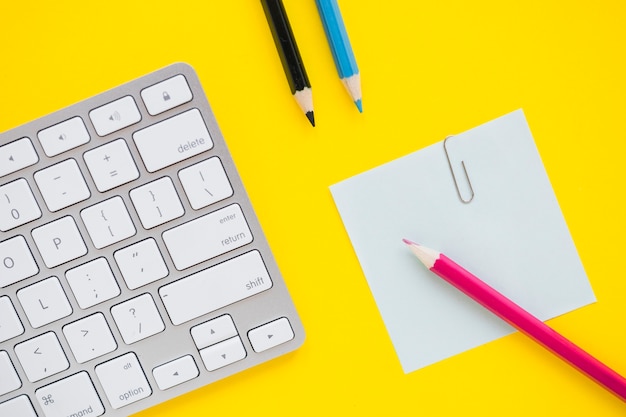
59,241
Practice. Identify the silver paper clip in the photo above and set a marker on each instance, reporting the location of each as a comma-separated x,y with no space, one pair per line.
456,184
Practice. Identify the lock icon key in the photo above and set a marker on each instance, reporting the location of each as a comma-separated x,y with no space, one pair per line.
166,96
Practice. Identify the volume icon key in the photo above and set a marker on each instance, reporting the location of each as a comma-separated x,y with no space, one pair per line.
115,115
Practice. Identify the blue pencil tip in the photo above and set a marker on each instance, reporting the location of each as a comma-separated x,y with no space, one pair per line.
359,105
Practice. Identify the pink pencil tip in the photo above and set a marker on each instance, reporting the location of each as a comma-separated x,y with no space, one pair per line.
409,242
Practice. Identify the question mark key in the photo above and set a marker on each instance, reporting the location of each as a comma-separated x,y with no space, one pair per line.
142,310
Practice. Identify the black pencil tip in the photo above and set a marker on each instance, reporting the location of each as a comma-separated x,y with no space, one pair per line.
311,117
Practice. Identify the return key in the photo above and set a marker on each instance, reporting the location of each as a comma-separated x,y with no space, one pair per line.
213,234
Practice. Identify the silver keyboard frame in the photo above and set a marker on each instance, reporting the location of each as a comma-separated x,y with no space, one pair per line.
175,341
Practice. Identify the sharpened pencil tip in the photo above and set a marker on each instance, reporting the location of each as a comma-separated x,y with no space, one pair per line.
311,117
409,242
359,105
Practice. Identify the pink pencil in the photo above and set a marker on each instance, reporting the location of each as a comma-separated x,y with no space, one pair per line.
519,318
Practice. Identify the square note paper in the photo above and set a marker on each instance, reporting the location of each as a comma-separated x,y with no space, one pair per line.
483,198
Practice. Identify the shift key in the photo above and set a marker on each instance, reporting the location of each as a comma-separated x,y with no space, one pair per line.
215,287
173,140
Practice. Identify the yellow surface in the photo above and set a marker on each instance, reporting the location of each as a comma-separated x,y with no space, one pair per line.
429,69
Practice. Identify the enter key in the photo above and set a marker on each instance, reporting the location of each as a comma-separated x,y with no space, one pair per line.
212,235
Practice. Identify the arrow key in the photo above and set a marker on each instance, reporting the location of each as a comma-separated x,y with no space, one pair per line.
223,353
271,334
213,331
175,372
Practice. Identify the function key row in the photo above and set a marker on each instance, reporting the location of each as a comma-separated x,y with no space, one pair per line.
106,119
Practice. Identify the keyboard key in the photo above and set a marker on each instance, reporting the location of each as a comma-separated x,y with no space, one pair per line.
115,116
213,331
10,381
17,155
271,335
10,324
175,372
71,396
17,407
216,287
44,302
173,140
212,235
157,203
111,165
41,357
16,261
62,185
89,337
223,353
141,263
59,241
123,380
137,318
63,136
17,205
92,283
205,183
166,95
108,222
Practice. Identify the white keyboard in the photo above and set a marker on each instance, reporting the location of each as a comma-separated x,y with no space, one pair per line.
132,266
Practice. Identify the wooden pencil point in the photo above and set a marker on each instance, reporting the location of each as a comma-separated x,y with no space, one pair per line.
359,105
311,117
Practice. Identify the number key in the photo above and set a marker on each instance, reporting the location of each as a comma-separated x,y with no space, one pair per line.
17,205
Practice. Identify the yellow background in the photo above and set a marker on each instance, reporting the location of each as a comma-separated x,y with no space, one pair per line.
429,69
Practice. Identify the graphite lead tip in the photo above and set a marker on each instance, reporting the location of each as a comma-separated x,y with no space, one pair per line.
311,117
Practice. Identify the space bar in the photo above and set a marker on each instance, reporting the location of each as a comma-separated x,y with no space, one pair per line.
216,287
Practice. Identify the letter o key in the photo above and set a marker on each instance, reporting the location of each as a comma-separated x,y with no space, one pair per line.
8,262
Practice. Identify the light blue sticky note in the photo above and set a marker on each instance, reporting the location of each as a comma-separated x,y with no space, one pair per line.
512,235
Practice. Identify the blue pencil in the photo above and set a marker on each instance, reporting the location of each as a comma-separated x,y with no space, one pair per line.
341,48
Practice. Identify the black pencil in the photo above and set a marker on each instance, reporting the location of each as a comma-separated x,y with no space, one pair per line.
289,55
